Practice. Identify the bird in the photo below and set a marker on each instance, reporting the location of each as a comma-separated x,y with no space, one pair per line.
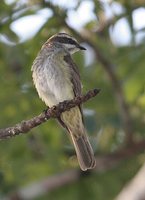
56,78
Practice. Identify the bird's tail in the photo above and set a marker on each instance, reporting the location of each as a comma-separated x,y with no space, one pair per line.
84,151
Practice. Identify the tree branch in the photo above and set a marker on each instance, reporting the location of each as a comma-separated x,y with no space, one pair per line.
53,112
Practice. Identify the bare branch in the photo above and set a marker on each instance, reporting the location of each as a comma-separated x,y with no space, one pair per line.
54,112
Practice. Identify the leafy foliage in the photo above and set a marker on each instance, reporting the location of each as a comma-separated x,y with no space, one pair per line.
47,150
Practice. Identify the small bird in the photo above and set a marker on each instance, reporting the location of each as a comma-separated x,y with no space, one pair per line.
56,78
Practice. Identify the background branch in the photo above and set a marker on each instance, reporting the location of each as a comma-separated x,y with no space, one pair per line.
135,190
109,69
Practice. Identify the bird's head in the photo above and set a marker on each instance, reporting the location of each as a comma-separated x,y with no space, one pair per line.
68,42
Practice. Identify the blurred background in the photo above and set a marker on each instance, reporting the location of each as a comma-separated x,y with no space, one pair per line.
41,164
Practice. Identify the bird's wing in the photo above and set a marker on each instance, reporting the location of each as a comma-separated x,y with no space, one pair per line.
75,76
76,82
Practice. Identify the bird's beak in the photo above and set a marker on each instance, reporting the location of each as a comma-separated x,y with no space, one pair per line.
81,47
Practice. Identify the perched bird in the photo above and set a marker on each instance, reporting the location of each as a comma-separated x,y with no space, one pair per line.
56,79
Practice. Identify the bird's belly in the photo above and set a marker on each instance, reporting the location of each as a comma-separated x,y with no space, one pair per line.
55,85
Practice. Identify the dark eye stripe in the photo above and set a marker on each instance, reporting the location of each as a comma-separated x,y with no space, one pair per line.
64,40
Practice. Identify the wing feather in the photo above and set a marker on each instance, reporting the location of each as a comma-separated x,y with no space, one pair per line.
75,78
75,75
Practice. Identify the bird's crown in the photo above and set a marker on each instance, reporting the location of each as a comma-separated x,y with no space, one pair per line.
69,42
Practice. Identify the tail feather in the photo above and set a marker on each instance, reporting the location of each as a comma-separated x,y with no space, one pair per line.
84,152
72,121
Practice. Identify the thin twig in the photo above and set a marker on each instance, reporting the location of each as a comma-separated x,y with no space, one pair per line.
54,112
